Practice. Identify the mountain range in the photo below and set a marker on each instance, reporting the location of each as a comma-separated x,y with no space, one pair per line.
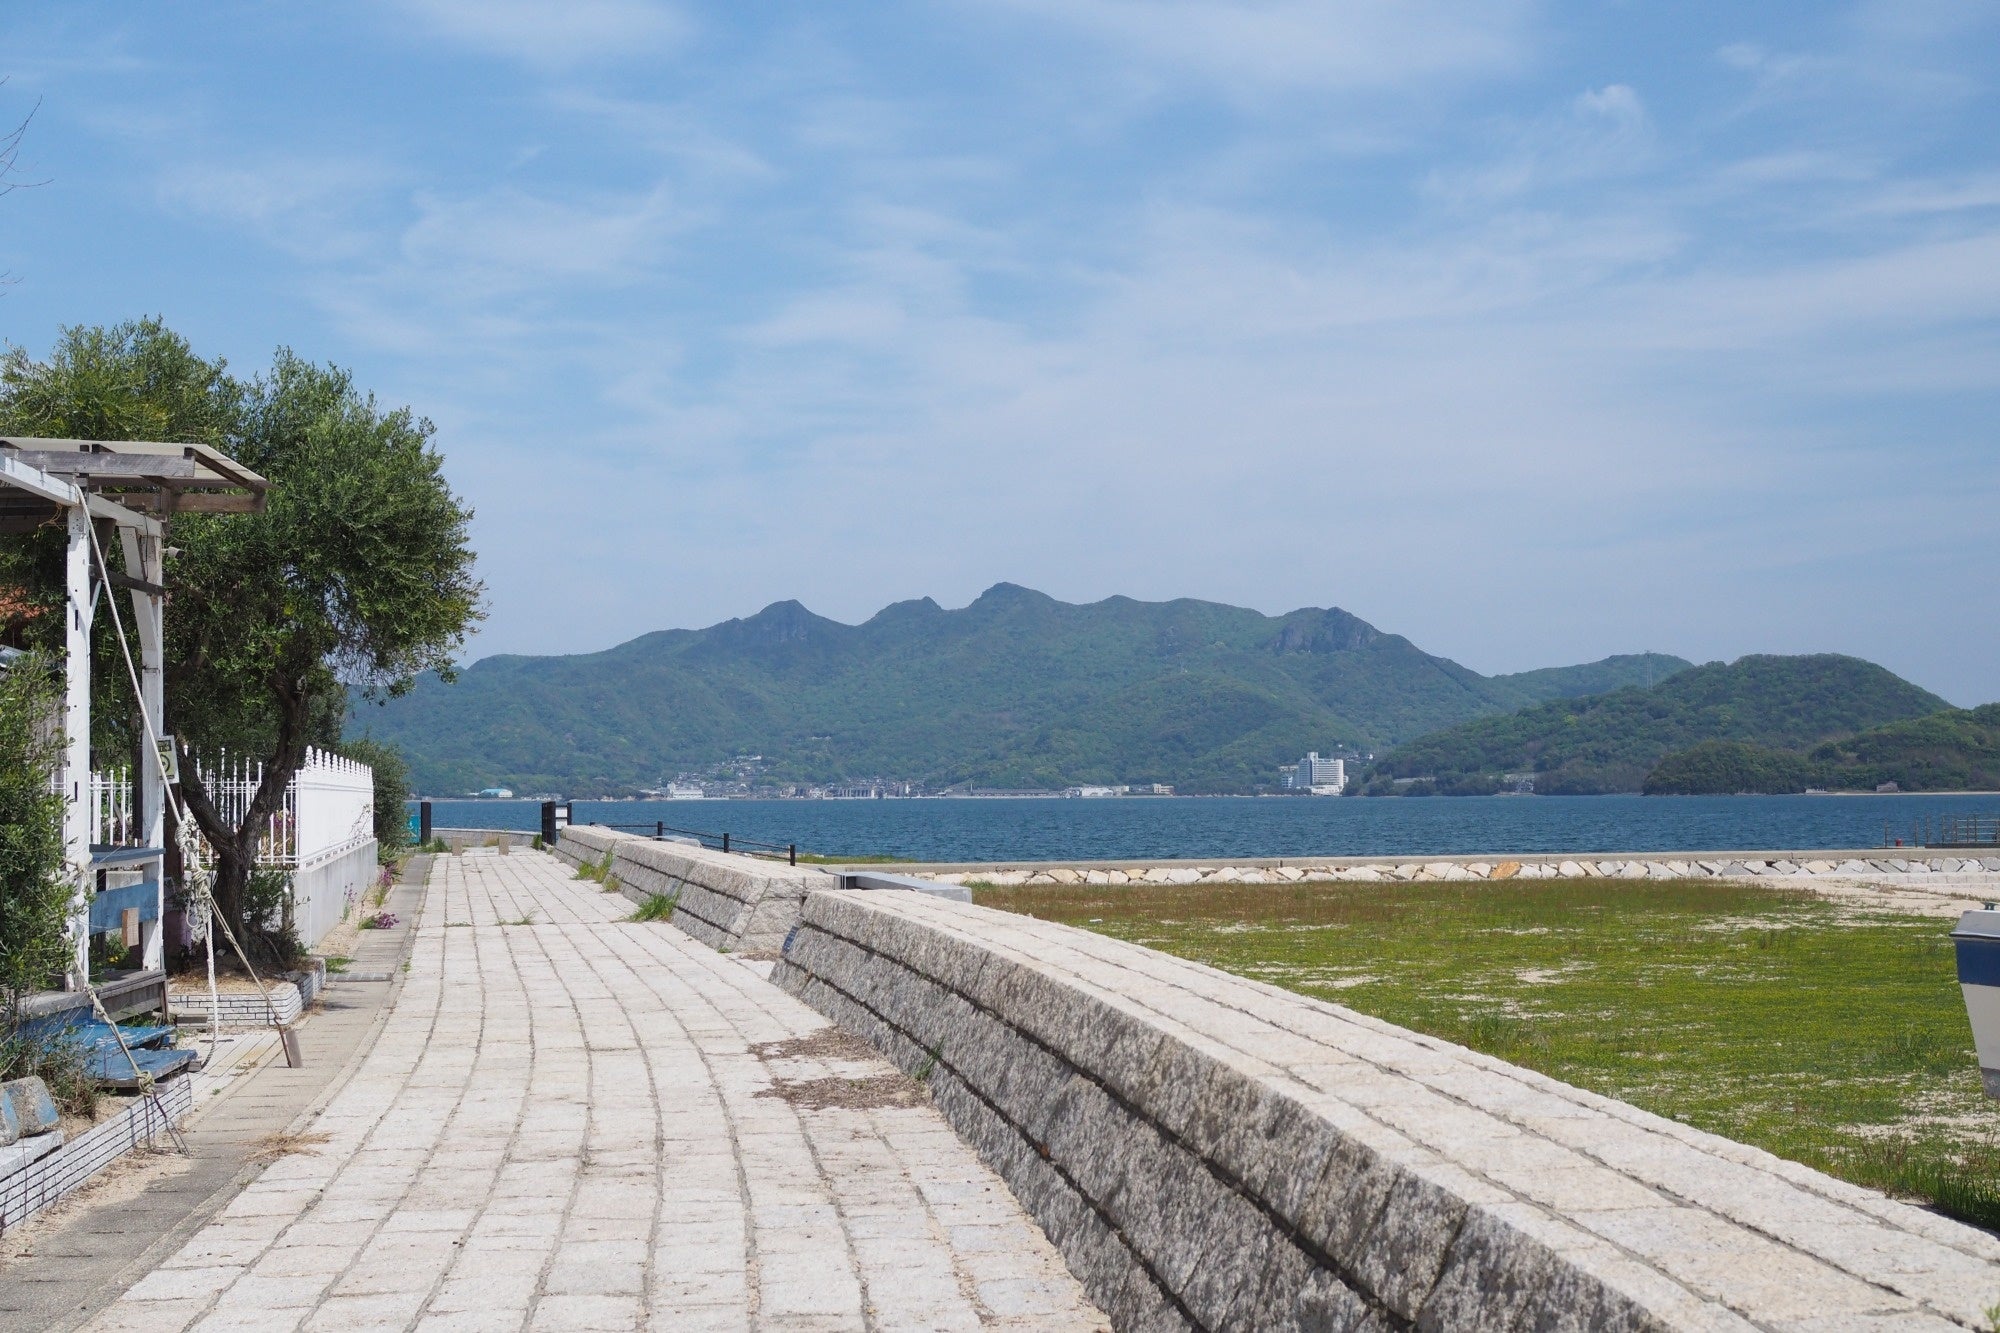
1015,690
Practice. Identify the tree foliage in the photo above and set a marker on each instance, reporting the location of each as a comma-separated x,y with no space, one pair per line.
1729,768
392,790
35,885
1956,749
131,381
356,578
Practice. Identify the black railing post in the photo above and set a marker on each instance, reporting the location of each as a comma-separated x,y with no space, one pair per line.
548,823
659,829
424,822
792,853
725,842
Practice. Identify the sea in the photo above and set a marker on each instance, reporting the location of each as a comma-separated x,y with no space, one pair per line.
1222,828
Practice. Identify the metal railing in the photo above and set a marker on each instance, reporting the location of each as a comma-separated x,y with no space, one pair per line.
1948,831
1967,831
722,842
111,821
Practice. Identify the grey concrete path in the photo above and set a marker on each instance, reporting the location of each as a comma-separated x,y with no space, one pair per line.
82,1256
572,1121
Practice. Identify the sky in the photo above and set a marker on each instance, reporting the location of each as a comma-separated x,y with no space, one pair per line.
1534,332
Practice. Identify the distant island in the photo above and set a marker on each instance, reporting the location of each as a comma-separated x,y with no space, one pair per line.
1019,694
1017,691
1724,727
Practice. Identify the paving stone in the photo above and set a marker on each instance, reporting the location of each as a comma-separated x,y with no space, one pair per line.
571,1125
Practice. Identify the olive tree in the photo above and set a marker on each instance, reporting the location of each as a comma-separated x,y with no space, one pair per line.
355,579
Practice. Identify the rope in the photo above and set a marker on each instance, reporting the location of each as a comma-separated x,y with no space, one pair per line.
200,879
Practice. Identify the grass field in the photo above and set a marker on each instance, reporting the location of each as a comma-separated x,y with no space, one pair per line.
1819,1031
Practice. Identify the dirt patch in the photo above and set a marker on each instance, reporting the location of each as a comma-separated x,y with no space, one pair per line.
864,1092
342,940
273,1146
829,1043
850,1094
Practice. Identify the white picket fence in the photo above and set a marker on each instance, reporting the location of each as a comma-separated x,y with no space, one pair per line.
323,831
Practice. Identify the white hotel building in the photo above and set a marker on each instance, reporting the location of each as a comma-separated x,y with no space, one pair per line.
1321,777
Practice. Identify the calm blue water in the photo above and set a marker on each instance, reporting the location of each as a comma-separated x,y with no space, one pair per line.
1223,827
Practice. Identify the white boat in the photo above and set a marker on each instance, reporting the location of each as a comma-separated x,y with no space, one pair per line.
1978,941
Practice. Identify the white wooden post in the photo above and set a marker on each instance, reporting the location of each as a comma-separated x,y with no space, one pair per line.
143,556
76,739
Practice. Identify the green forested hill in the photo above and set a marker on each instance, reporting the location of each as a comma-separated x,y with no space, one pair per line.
1957,749
1017,690
1613,673
1610,742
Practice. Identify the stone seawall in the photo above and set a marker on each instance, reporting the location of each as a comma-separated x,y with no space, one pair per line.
1876,865
726,901
1210,1152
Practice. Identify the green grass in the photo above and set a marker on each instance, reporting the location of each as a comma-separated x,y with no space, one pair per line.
1824,1034
657,907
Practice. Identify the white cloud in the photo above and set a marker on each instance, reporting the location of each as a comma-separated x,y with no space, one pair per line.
1594,360
1601,133
312,207
1614,102
1250,48
545,35
502,242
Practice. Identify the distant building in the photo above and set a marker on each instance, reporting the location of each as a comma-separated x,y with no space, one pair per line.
684,791
1321,777
501,793
1150,789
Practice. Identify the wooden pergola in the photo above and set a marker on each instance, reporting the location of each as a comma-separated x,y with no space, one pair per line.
130,489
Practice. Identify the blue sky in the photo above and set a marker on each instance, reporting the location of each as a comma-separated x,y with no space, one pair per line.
1535,332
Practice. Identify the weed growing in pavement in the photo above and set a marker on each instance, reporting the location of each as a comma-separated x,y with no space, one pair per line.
657,907
336,964
1831,1036
380,921
527,920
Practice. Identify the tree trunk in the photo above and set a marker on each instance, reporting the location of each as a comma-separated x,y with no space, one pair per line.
236,846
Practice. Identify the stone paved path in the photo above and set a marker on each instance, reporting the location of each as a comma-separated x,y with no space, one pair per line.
572,1121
